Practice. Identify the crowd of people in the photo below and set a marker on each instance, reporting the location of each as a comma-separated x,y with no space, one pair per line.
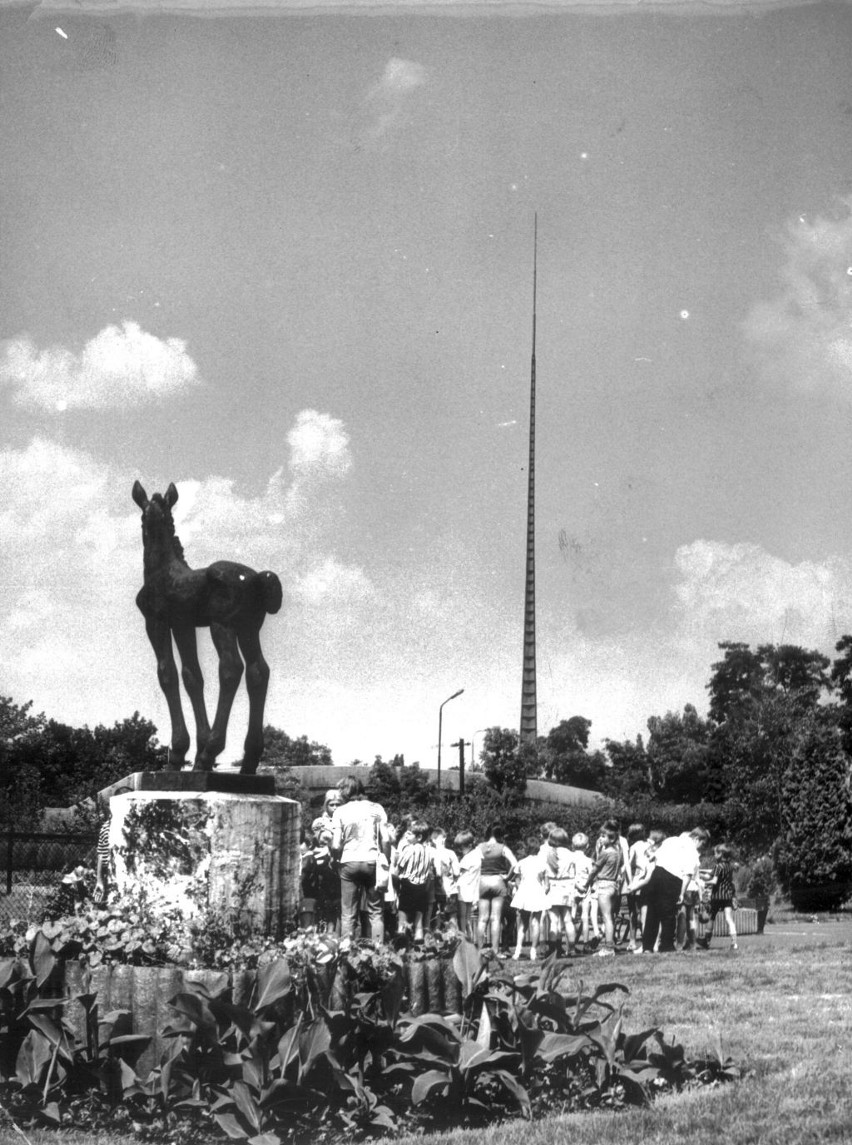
366,876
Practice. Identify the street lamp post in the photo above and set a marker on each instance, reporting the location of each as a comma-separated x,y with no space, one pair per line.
440,719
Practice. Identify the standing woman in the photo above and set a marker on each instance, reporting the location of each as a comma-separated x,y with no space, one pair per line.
358,834
497,866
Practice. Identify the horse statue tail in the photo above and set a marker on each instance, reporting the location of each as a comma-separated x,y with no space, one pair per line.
272,594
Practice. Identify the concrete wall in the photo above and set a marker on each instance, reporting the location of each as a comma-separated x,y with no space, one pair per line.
318,779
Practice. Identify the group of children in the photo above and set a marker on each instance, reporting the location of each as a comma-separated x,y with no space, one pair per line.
566,894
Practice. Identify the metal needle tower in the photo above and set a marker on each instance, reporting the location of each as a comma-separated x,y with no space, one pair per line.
529,705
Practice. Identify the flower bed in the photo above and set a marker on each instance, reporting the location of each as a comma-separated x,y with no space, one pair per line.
309,1040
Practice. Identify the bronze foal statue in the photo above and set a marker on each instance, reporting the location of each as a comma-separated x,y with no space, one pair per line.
229,599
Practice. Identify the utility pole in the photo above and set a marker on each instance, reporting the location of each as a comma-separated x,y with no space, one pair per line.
461,745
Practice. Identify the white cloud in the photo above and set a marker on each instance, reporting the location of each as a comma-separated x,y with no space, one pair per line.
741,592
120,366
400,76
319,445
803,335
334,583
388,102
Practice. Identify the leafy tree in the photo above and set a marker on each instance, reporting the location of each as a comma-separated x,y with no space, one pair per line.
280,751
629,773
504,762
743,678
565,758
795,671
759,700
737,682
22,794
841,679
678,756
46,763
814,853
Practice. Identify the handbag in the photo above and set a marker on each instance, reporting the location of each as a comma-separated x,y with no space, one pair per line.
382,865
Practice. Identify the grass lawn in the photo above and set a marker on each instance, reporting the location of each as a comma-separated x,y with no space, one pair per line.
781,1006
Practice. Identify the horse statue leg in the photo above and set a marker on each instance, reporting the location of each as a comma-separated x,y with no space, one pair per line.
193,681
160,636
230,674
257,682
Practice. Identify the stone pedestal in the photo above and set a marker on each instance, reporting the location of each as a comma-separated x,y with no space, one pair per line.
182,841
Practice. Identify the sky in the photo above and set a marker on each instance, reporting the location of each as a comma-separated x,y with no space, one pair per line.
284,260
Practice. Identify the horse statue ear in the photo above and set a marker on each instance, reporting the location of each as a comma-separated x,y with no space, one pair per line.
171,495
139,495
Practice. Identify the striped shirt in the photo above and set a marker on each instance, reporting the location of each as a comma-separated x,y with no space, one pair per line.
414,862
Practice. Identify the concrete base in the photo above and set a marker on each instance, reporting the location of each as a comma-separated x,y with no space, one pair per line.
207,850
227,779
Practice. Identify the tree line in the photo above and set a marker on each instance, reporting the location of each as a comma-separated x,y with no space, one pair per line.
769,766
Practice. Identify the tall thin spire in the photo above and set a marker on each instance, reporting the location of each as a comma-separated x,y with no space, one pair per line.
529,704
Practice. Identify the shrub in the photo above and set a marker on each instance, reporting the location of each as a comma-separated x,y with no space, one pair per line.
814,853
758,878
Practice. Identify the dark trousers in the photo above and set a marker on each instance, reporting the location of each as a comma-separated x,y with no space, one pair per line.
661,894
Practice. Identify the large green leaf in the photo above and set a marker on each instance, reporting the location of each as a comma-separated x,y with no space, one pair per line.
45,1004
246,1103
265,1139
314,1043
288,1045
478,1059
427,1082
42,958
468,965
9,971
55,1034
634,1043
430,1035
33,1056
231,1126
226,1013
273,983
555,1046
195,1008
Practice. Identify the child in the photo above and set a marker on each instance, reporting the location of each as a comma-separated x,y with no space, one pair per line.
643,870
561,879
544,849
615,825
446,877
637,845
530,899
722,894
585,897
414,865
606,876
469,864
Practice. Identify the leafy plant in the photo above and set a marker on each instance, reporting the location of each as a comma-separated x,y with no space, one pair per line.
760,881
41,1061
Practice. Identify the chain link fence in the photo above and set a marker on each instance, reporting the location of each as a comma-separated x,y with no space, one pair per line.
32,866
